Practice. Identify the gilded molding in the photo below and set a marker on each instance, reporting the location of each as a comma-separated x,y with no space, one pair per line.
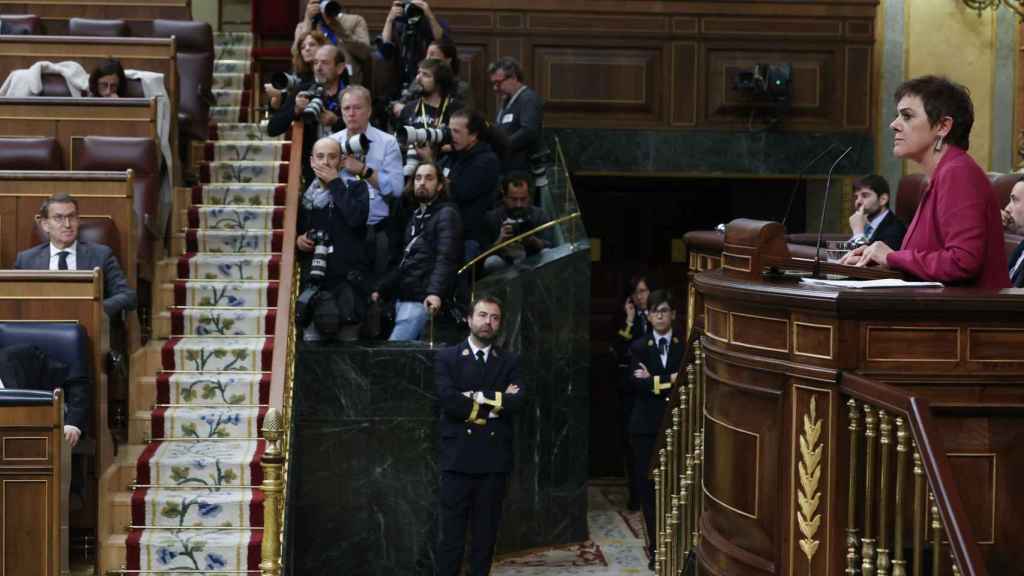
808,494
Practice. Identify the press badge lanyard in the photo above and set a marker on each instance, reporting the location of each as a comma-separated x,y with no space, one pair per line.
511,100
425,119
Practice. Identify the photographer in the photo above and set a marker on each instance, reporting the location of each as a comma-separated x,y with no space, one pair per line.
425,276
380,167
302,66
443,49
473,169
436,103
347,31
521,116
332,228
409,29
316,103
516,215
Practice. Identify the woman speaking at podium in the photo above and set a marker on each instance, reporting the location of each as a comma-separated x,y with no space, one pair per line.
956,235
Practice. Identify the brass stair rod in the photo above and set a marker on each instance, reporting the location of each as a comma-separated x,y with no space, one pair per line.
899,565
868,543
670,495
679,437
852,541
654,538
919,513
936,534
885,438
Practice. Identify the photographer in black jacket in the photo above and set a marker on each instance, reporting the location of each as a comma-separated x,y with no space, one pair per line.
332,231
516,215
425,275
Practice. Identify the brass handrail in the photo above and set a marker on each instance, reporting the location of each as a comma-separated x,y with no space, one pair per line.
515,239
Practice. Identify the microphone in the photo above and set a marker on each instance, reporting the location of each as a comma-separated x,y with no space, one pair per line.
824,206
800,180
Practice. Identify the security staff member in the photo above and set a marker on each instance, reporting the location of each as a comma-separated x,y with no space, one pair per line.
479,389
655,367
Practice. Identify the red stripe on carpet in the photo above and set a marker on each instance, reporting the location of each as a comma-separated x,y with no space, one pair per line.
260,415
133,550
142,466
256,465
156,422
272,293
286,151
184,270
256,508
267,358
208,151
163,388
270,321
204,173
177,322
180,292
193,217
211,134
278,219
282,172
197,194
139,507
276,241
191,241
274,267
167,353
265,389
280,195
255,547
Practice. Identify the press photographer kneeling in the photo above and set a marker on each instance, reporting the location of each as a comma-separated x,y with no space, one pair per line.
332,233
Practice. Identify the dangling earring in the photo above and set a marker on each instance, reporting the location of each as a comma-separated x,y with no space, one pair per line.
938,144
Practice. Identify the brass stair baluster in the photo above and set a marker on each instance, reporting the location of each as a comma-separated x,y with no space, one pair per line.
885,438
954,565
936,534
696,489
852,540
670,496
655,538
919,513
659,541
899,565
868,543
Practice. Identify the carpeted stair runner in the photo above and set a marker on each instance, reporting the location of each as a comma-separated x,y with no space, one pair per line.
196,506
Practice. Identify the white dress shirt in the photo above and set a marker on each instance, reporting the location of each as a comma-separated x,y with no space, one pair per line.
72,256
667,336
474,350
385,158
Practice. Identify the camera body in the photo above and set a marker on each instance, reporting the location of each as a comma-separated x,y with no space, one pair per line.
412,14
328,9
316,106
321,248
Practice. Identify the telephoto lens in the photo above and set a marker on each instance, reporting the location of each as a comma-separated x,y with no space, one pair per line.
315,107
284,81
330,9
357,145
412,160
321,248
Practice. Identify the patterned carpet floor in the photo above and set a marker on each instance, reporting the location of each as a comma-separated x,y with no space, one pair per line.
196,505
615,545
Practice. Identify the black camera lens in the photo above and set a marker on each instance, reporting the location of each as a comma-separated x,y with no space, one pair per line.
330,9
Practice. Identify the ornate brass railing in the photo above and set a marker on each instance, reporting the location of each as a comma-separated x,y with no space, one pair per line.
901,492
276,424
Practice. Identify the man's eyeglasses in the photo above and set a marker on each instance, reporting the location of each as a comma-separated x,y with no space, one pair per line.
64,218
661,311
497,81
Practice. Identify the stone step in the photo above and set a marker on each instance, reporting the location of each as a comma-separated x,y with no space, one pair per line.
121,511
143,395
113,553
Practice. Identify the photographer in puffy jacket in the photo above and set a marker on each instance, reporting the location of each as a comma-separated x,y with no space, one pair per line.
332,232
432,251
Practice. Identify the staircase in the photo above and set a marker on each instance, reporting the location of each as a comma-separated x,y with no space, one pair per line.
183,495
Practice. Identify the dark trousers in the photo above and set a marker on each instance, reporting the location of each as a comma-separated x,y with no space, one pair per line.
378,249
469,500
626,399
643,447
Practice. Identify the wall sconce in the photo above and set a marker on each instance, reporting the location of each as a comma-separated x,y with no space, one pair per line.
981,5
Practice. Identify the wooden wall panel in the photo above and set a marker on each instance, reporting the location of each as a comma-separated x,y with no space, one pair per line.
652,64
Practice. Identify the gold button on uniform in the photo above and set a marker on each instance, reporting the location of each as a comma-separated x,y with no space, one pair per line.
492,433
468,431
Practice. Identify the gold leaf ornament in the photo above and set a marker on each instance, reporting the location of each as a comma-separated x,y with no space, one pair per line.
809,471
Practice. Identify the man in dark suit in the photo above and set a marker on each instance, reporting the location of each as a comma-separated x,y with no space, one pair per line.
26,367
872,220
1015,210
521,116
655,367
58,217
479,390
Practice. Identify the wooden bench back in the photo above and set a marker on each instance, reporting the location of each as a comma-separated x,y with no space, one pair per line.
138,14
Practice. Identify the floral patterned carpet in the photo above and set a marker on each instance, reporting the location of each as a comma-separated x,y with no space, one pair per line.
615,545
196,506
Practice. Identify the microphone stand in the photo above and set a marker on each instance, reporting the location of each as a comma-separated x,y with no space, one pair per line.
800,179
821,221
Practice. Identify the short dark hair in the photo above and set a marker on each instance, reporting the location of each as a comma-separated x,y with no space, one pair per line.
510,66
942,97
659,297
516,177
486,299
58,198
874,182
443,76
107,68
447,47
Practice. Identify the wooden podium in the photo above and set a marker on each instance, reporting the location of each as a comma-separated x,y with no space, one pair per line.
31,474
822,408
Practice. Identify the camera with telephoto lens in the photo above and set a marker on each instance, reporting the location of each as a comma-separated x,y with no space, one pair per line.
412,14
285,82
412,136
316,106
330,9
321,248
539,168
412,160
357,145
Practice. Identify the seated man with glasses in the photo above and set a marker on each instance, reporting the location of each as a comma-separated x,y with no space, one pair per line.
58,217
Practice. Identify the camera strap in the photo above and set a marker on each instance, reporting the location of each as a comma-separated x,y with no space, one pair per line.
425,118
